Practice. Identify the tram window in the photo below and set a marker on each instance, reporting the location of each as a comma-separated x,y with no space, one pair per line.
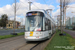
53,25
46,24
49,25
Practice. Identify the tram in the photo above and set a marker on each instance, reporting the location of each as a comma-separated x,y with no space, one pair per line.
38,25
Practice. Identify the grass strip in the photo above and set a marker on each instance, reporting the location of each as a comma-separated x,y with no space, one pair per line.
70,39
8,36
61,42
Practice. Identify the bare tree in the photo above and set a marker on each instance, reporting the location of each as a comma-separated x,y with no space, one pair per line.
65,3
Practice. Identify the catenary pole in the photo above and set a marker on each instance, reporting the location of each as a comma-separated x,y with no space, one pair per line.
15,16
61,15
29,5
63,11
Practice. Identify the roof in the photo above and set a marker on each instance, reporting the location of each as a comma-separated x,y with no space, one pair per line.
42,10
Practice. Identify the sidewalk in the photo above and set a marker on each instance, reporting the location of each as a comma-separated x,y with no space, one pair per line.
72,33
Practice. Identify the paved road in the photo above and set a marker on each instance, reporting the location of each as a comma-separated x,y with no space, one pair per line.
7,32
19,43
72,33
15,43
11,44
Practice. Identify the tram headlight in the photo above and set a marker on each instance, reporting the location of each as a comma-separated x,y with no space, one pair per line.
26,34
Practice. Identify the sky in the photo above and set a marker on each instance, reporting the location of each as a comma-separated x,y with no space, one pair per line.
7,7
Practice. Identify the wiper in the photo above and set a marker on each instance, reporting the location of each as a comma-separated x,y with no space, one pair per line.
35,27
37,21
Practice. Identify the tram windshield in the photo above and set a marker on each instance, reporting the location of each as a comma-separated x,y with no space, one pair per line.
33,22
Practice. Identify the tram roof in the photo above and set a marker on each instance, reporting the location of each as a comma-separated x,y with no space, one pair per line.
41,10
44,11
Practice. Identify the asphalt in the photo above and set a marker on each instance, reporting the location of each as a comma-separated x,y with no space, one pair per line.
7,32
19,43
16,43
12,44
72,33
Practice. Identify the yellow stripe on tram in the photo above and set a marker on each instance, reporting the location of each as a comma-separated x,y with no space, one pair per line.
31,33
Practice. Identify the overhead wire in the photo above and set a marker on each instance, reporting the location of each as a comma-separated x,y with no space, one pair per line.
35,6
45,1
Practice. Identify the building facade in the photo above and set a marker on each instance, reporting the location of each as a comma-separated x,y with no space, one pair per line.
73,21
70,22
10,24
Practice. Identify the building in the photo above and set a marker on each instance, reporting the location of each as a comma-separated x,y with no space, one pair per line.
22,26
10,24
73,21
70,22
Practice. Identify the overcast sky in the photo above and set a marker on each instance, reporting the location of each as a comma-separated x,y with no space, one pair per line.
7,7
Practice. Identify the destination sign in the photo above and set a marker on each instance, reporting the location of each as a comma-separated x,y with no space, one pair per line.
34,14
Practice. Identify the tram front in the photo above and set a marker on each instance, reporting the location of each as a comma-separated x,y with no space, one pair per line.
34,26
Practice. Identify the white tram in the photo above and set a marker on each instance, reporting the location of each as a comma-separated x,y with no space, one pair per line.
38,25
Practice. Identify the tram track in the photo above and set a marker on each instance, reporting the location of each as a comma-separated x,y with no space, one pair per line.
35,45
43,44
20,46
30,48
25,45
